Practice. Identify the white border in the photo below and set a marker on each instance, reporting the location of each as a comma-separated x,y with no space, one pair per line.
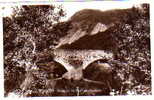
83,97
1,59
74,0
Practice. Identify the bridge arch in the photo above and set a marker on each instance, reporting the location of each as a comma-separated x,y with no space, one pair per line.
95,60
58,69
66,65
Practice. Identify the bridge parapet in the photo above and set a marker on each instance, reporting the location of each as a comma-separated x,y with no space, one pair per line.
73,59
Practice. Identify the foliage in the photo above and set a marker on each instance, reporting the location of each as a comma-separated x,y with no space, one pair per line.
26,35
133,61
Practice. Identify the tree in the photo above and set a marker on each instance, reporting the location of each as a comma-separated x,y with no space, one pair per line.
133,59
26,35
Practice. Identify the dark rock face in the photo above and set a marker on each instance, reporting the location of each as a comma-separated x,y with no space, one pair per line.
92,16
100,41
92,29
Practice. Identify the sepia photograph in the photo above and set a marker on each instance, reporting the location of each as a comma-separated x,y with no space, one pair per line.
76,49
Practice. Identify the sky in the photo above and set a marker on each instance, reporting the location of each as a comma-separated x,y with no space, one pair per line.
73,7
